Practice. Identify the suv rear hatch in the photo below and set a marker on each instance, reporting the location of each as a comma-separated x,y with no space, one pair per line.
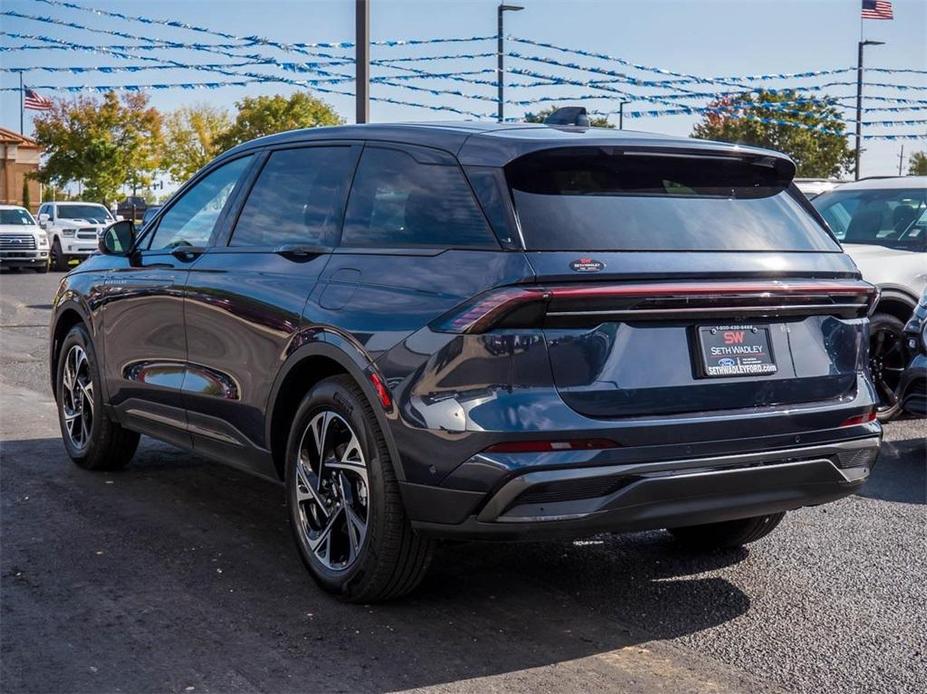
684,281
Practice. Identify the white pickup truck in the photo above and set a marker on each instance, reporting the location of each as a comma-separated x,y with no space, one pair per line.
22,243
73,229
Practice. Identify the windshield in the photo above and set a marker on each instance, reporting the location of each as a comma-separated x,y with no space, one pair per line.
91,213
17,216
894,218
589,199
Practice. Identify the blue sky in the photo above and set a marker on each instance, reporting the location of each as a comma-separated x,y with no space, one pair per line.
711,37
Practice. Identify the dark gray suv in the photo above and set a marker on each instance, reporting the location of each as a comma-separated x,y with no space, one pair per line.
493,332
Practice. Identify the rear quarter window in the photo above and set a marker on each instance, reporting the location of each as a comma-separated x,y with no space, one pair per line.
397,201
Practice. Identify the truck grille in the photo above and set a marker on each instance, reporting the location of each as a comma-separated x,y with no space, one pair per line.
17,242
88,233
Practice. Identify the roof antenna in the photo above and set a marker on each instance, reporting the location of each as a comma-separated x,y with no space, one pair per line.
568,115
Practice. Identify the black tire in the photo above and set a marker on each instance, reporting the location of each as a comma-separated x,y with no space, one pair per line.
43,268
390,559
58,260
727,534
888,358
104,444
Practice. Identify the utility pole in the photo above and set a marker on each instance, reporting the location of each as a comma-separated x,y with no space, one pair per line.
500,55
22,106
362,61
859,99
900,159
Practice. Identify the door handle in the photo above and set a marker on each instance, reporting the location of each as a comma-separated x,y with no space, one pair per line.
300,250
187,252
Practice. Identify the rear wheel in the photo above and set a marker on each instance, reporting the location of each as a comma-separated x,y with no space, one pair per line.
344,505
727,534
887,361
91,438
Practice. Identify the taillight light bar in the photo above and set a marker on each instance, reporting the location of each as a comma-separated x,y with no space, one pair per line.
491,308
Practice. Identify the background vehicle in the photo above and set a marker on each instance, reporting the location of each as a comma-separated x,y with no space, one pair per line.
73,229
356,312
912,391
150,213
813,187
22,242
882,224
133,207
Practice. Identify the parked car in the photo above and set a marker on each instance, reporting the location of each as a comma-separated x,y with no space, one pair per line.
813,187
481,332
912,391
73,229
133,207
882,224
22,242
150,214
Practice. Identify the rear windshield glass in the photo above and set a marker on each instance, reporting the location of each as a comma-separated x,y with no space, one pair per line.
599,199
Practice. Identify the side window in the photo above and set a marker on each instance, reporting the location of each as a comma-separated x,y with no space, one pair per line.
298,198
397,201
190,220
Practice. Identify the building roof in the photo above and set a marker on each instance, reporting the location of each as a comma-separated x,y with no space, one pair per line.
11,137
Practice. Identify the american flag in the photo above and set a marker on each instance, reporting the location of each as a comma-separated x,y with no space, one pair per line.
877,9
36,101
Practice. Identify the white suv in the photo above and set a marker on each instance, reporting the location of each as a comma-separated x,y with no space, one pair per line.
22,242
73,229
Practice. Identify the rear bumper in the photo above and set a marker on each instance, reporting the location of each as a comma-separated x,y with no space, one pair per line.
584,500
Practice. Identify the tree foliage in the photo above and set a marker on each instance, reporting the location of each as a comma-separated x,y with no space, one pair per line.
191,136
101,144
266,115
817,154
917,164
594,121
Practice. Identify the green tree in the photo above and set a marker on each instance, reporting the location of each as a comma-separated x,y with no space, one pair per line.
100,143
817,154
190,138
266,115
917,164
594,121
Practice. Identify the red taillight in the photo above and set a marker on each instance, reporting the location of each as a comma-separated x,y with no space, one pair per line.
858,419
486,309
552,446
383,394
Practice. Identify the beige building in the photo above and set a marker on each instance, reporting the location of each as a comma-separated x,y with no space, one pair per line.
20,156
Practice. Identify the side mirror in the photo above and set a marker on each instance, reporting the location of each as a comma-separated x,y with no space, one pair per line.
119,217
43,218
118,238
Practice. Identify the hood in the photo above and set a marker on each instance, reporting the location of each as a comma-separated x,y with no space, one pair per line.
18,229
868,250
81,222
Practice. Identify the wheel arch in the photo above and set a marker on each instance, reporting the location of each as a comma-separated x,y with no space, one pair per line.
896,302
305,367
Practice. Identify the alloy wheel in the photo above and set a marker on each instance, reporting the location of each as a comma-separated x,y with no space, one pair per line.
77,397
887,362
332,491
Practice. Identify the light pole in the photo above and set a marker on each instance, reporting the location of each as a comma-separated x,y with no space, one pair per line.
500,52
621,114
859,99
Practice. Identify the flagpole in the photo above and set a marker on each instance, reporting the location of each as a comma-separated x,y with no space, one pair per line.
22,102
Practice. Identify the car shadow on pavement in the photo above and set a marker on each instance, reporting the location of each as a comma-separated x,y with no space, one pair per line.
179,573
900,473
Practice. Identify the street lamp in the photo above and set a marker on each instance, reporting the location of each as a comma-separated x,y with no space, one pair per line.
621,114
500,75
859,99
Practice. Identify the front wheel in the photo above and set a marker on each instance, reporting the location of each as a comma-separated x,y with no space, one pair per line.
93,441
727,534
58,259
43,268
343,498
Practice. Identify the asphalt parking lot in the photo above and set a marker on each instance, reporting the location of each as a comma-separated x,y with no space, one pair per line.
179,575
